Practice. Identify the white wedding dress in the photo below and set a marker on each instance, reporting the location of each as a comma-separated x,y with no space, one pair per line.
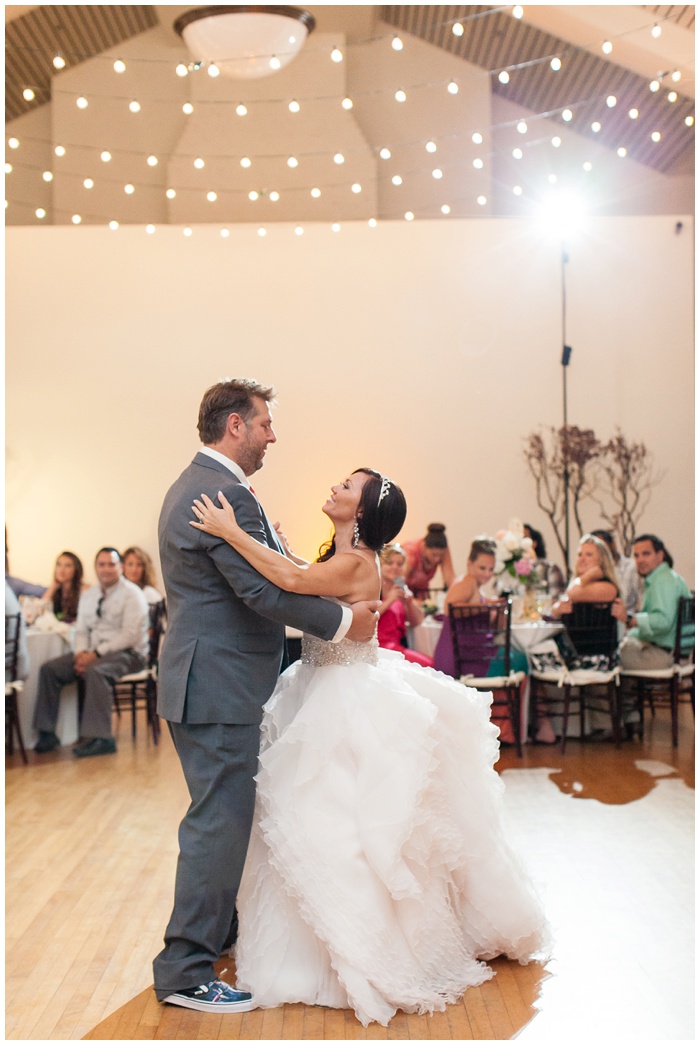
378,872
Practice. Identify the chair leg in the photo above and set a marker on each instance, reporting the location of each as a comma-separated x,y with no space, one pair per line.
565,716
14,727
614,705
674,710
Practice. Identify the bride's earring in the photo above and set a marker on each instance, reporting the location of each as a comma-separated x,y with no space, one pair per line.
355,535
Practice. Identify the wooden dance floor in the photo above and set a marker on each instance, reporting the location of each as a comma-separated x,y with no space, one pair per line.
607,835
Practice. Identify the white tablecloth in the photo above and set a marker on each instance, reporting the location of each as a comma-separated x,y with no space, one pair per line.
424,637
43,646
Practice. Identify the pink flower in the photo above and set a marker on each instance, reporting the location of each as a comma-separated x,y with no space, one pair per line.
523,567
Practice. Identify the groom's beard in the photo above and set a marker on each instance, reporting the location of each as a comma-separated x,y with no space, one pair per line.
251,458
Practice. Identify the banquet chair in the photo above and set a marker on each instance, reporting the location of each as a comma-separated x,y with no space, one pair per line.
139,690
479,634
664,686
563,686
13,685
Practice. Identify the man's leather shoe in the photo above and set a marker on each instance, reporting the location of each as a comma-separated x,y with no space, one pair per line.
47,742
98,746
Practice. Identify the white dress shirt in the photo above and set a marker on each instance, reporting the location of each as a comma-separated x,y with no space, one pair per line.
346,619
112,619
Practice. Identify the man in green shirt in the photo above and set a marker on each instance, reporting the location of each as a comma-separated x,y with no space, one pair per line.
649,643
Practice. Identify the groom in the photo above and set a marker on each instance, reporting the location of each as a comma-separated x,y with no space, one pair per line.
220,661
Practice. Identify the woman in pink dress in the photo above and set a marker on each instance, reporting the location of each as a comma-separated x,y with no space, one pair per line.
398,607
424,556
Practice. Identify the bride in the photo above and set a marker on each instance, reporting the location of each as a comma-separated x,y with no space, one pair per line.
378,875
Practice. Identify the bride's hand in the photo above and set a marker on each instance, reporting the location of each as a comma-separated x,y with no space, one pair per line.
283,540
220,522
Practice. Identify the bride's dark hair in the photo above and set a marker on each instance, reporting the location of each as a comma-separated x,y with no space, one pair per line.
378,521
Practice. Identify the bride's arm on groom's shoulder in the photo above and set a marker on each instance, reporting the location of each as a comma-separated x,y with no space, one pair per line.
339,576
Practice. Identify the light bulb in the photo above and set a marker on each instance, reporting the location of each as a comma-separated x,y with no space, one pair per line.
409,215
689,121
294,106
338,158
518,11
105,156
241,110
437,174
213,70
372,223
522,127
555,64
28,94
59,62
187,231
453,87
274,196
672,96
656,32
199,163
119,66
336,55
675,76
567,115
60,150
150,229
400,96
477,138
40,212
88,183
346,103
170,193
129,189
385,154
181,69
504,76
298,231
8,168
517,191
611,101
47,176
315,193
445,208
517,154
76,219
13,143
211,196
622,151
552,179
188,108
481,200
478,163
253,195
134,106
633,114
152,161
397,180
607,47
458,29
397,43
292,161
656,136
654,86
81,102
356,187
275,63
114,225
588,166
430,147
556,141
595,126
245,161
224,233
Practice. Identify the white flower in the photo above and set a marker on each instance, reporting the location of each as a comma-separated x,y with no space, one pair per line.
526,545
515,526
511,541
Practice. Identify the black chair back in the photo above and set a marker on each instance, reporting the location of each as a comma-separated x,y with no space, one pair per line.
685,628
592,629
480,633
13,623
156,622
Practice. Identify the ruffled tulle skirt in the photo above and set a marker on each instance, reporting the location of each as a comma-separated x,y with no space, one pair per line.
378,875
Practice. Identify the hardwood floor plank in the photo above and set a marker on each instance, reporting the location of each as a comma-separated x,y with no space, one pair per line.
334,1024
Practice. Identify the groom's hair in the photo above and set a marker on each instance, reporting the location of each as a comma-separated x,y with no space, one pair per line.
225,398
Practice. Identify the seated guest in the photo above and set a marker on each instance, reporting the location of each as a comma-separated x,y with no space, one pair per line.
66,588
398,607
538,545
594,579
650,641
139,569
424,556
626,571
548,571
12,609
111,640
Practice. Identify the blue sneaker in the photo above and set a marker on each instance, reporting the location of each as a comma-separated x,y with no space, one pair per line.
215,996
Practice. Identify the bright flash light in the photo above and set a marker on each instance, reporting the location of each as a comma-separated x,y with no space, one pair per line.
561,214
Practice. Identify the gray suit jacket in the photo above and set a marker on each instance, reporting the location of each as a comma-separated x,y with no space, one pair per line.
225,637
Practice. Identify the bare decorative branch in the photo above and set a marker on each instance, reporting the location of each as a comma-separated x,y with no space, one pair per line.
628,477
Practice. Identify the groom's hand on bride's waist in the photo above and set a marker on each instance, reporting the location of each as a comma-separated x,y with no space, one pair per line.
364,620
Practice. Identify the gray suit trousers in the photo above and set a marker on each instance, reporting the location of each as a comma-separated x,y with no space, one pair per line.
219,762
97,711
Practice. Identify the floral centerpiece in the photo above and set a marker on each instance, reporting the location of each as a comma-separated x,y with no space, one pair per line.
429,608
515,555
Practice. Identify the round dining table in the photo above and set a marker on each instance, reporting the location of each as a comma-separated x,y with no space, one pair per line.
42,646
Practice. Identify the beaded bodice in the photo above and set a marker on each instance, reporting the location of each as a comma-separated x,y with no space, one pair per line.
320,653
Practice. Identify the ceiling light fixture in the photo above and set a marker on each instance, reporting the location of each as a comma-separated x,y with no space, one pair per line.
245,43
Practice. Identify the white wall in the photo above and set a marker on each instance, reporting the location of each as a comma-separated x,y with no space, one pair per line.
426,350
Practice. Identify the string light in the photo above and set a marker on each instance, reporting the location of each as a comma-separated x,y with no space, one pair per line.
81,102
339,158
253,196
430,147
246,162
504,76
40,212
198,163
134,106
181,70
458,29
477,138
400,96
356,187
187,231
633,114
47,176
607,47
274,196
105,156
552,179
294,106
8,168
556,141
76,219
336,55
292,162
656,136
611,101
13,143
212,197
656,32
522,127
517,154
385,153
241,110
224,233
188,108
315,193
588,166
88,183
622,152
518,11
170,193
275,63
119,66
689,121
335,227
213,70
555,64
481,200
150,229
654,86
445,209
595,126
347,103
28,94
437,173
409,215
372,223
129,189
453,87
675,76
672,96
397,180
298,231
517,190
59,62
397,43
567,115
152,161
114,225
60,150
478,163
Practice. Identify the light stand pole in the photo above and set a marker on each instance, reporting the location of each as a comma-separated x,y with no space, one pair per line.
565,359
